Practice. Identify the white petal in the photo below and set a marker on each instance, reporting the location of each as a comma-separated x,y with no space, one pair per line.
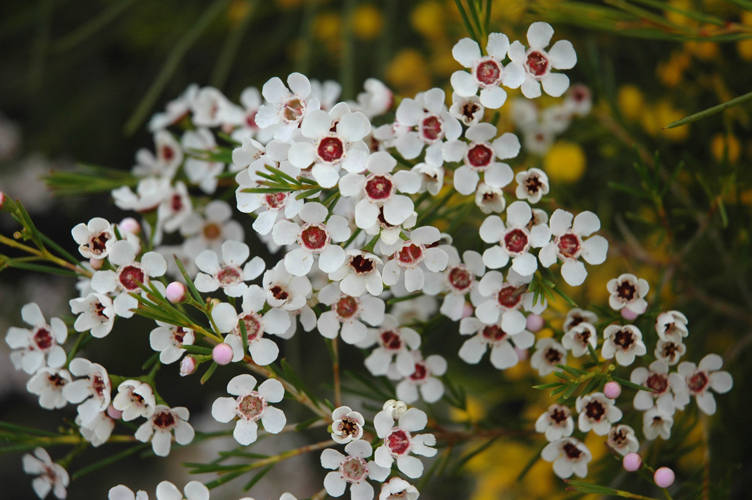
539,35
299,84
555,84
246,431
573,272
465,52
499,175
562,55
223,410
264,352
326,175
493,97
464,84
354,126
316,124
334,484
410,466
274,420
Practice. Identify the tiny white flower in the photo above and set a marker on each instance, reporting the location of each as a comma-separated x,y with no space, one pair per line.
576,316
98,430
211,108
628,291
399,441
622,439
413,255
502,344
624,342
669,351
122,492
569,455
284,290
532,185
195,490
394,344
538,62
210,230
94,239
250,99
548,354
201,173
174,209
40,346
423,382
579,337
159,429
175,109
662,384
504,300
169,157
359,273
671,325
347,425
285,108
150,192
701,379
556,423
52,477
458,279
468,110
377,98
431,177
579,100
597,412
168,341
48,384
348,314
249,406
135,399
92,391
398,489
353,470
231,275
489,199
96,312
656,422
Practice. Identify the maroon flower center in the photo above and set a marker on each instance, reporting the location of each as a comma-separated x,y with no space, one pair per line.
98,385
251,405
361,265
626,291
346,307
432,128
479,156
559,415
348,427
697,382
468,110
516,241
624,338
494,333
130,277
420,373
353,469
56,381
537,63
618,437
253,326
575,320
411,254
583,336
212,231
568,245
670,351
314,237
178,334
507,298
532,184
595,410
167,154
658,382
43,339
331,149
293,109
460,278
176,203
379,187
488,72
275,201
553,356
571,451
229,275
398,441
279,293
98,243
164,420
250,119
391,340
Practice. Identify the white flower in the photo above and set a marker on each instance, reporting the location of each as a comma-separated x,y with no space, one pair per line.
579,337
431,177
556,423
48,384
622,439
398,489
210,230
548,354
211,108
628,291
229,276
669,351
195,490
532,184
314,237
159,426
504,302
135,399
656,422
701,379
487,73
175,110
503,353
422,382
328,150
270,207
393,342
275,321
377,98
428,114
96,312
52,477
399,442
489,199
122,492
671,325
250,99
349,313
569,455
174,209
379,191
569,244
480,155
579,100
168,159
347,425
250,406
98,431
414,254
458,279
468,110
92,391
576,316
538,63
40,346
597,412
353,470
513,240
624,342
284,107
94,239
200,172
150,192
128,276
662,384
168,340
285,291
359,273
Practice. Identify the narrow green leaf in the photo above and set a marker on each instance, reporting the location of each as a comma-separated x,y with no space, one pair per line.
466,20
530,464
224,479
548,386
593,354
196,349
209,372
243,334
27,430
188,281
629,384
109,460
258,477
710,111
39,268
469,456
306,424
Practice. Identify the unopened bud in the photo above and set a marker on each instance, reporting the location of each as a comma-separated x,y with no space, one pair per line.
113,412
396,407
632,462
187,366
222,354
535,322
628,314
130,225
612,390
176,292
664,477
96,264
6,203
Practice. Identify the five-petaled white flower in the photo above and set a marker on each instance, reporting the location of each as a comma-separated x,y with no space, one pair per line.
92,390
597,412
393,342
504,300
135,399
423,382
569,455
555,423
94,239
624,342
578,338
96,312
628,291
40,346
168,340
669,351
657,422
359,273
229,276
662,383
210,230
348,313
347,425
458,280
701,379
399,441
159,429
532,184
671,325
548,354
353,470
429,115
503,353
52,477
48,384
621,438
284,108
414,254
250,406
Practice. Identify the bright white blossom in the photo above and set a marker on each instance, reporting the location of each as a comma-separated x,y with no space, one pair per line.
467,110
210,230
532,185
347,425
597,412
628,291
195,490
135,399
669,351
569,455
348,313
663,384
398,489
359,273
285,108
39,346
423,382
393,345
624,343
504,299
548,354
413,255
622,439
51,476
122,492
503,345
352,469
231,275
168,340
657,422
92,391
555,423
48,384
671,325
578,338
94,239
399,441
96,313
433,123
699,380
159,429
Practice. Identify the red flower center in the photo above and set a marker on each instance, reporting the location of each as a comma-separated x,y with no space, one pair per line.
314,237
251,406
626,291
353,469
569,245
250,119
130,276
460,278
411,254
229,275
43,339
479,156
507,297
98,243
167,153
420,373
331,149
379,187
253,326
537,63
658,382
398,441
494,333
595,410
391,340
164,420
571,451
697,382
361,265
624,338
346,307
432,128
488,72
98,385
293,109
279,293
275,201
516,241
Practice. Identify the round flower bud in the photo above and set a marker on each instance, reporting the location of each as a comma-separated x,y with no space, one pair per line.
628,314
522,354
6,203
535,322
187,366
130,225
113,412
96,264
468,311
612,390
398,408
222,354
176,292
664,477
632,462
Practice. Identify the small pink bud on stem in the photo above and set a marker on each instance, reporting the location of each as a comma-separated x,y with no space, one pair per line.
187,366
96,264
176,292
130,225
628,314
222,354
612,390
632,462
664,477
535,322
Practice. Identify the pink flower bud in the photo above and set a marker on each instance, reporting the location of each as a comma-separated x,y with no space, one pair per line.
522,354
612,390
114,412
176,292
130,225
222,354
96,264
632,462
187,366
6,203
664,477
468,310
535,322
628,314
